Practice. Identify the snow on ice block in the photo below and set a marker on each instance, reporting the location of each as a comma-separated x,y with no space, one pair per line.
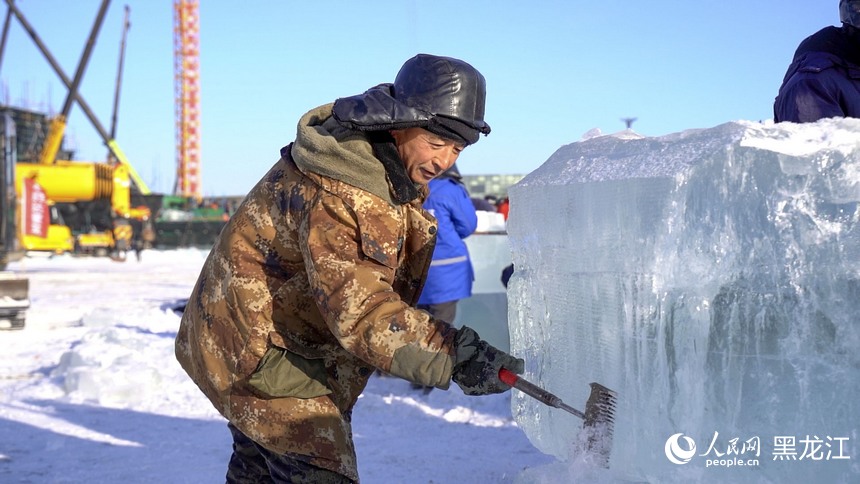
712,278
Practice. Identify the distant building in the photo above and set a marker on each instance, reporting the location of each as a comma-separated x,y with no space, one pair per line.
31,129
482,185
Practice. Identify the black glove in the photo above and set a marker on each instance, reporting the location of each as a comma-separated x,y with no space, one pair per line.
477,364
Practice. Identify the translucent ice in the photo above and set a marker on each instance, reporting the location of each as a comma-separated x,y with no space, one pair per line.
712,278
487,309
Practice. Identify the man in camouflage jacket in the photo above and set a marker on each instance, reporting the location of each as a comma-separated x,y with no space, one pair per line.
312,284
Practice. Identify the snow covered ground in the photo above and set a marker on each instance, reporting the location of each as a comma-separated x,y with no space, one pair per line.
90,392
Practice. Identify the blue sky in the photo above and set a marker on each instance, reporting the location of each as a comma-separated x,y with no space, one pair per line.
554,70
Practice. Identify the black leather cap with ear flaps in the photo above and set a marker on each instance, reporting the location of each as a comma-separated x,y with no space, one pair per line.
849,12
441,94
448,88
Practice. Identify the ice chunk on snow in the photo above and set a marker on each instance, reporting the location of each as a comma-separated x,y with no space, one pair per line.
712,278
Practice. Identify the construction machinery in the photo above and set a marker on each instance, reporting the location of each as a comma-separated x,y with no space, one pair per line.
185,218
93,199
186,67
83,198
14,288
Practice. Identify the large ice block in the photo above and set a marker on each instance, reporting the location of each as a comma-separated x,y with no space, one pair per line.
712,278
486,311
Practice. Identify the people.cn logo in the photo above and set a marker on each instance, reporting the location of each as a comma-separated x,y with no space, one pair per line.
675,453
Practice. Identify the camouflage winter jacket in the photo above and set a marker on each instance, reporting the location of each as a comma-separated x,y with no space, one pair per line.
309,289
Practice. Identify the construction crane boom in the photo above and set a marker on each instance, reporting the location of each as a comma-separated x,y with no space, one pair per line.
58,124
187,91
125,26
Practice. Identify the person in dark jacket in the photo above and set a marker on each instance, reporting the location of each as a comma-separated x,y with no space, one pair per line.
312,284
483,205
823,80
451,275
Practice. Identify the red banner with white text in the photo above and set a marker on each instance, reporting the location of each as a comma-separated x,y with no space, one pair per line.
34,209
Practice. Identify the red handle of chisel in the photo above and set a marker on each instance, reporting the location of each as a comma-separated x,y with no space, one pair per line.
510,378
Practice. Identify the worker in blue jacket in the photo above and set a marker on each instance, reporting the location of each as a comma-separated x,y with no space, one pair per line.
451,274
823,80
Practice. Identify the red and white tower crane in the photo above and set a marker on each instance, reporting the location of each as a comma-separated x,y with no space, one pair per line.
186,66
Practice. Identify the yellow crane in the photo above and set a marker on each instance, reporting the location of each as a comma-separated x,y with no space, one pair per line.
76,96
66,181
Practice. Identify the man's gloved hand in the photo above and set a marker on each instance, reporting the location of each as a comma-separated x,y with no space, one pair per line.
477,364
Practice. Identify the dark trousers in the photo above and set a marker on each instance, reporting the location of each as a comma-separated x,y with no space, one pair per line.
251,463
446,311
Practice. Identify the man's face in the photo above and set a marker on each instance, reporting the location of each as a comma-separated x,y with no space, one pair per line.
425,155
